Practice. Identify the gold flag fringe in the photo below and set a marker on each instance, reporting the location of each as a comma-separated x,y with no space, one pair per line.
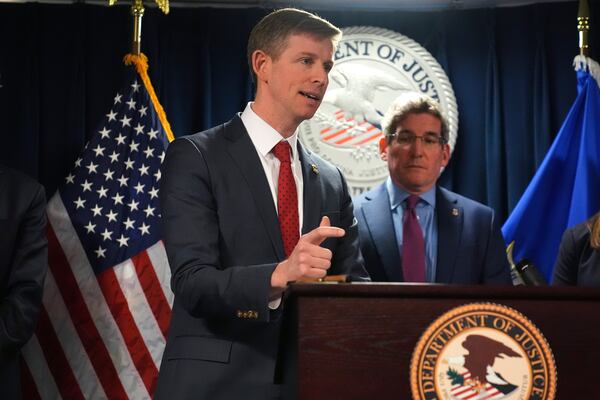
141,65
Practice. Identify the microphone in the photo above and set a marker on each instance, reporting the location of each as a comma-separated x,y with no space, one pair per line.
515,276
530,274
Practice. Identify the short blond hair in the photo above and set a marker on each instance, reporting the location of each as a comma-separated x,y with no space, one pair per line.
594,225
412,103
271,33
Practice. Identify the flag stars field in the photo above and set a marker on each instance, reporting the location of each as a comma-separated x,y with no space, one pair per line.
129,163
112,116
104,133
153,134
139,129
125,121
120,139
100,252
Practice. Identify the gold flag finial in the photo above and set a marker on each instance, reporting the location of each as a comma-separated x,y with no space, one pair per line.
163,5
583,26
137,10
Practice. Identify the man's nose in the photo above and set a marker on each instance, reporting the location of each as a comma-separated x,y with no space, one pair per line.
416,147
321,76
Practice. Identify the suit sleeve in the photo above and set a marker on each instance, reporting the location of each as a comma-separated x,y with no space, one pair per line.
203,286
22,299
347,258
496,268
565,269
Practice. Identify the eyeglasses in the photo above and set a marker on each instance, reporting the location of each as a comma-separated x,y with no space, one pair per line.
406,139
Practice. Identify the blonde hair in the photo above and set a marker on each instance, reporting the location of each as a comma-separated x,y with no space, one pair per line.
594,225
272,32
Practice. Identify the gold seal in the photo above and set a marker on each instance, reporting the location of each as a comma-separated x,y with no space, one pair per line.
483,351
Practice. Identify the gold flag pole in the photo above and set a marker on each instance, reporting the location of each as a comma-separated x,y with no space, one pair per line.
137,11
583,26
140,61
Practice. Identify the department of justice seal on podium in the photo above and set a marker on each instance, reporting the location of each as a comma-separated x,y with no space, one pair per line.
372,67
483,351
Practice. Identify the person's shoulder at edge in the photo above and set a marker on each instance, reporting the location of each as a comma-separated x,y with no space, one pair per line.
17,179
580,231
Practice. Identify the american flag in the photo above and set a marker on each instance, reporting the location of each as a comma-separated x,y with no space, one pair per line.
107,301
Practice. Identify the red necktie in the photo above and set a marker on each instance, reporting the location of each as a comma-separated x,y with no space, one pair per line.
413,246
287,198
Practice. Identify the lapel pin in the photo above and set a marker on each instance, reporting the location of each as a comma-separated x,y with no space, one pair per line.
315,169
455,212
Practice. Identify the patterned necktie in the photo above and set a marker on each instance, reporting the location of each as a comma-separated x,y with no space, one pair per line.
413,246
287,198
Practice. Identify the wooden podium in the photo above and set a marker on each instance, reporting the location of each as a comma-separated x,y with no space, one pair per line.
355,341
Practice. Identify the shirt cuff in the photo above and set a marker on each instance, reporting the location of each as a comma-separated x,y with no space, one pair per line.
274,304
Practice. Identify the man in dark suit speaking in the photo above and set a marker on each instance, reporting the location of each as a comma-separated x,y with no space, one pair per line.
23,267
246,210
411,229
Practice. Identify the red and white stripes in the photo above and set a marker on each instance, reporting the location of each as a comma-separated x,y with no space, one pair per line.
99,336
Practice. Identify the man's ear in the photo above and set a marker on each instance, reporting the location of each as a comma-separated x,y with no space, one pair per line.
383,148
261,63
445,155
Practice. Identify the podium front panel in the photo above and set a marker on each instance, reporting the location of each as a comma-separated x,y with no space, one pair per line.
356,341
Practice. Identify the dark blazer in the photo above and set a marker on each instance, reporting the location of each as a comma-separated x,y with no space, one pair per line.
577,263
470,245
223,241
23,266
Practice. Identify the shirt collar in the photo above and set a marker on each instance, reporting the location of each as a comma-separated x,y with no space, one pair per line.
263,136
398,195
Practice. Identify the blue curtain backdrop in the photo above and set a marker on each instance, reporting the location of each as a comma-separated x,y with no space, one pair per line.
511,69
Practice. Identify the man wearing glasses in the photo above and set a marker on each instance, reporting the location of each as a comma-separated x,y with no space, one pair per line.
411,229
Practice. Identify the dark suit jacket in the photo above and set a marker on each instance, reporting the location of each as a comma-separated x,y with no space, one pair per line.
223,242
23,266
470,245
577,263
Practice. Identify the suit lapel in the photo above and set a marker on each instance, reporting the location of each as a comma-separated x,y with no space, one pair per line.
244,156
380,224
450,225
312,191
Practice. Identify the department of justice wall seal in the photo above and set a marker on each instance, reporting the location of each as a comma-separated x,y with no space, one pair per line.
483,351
372,67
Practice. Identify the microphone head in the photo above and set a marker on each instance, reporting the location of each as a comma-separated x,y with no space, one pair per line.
530,274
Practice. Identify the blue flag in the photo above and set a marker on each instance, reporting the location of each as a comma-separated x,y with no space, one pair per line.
565,190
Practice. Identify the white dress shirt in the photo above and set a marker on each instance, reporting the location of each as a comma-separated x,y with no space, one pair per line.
264,138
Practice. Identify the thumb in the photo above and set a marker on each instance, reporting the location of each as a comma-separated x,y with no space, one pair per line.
325,221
